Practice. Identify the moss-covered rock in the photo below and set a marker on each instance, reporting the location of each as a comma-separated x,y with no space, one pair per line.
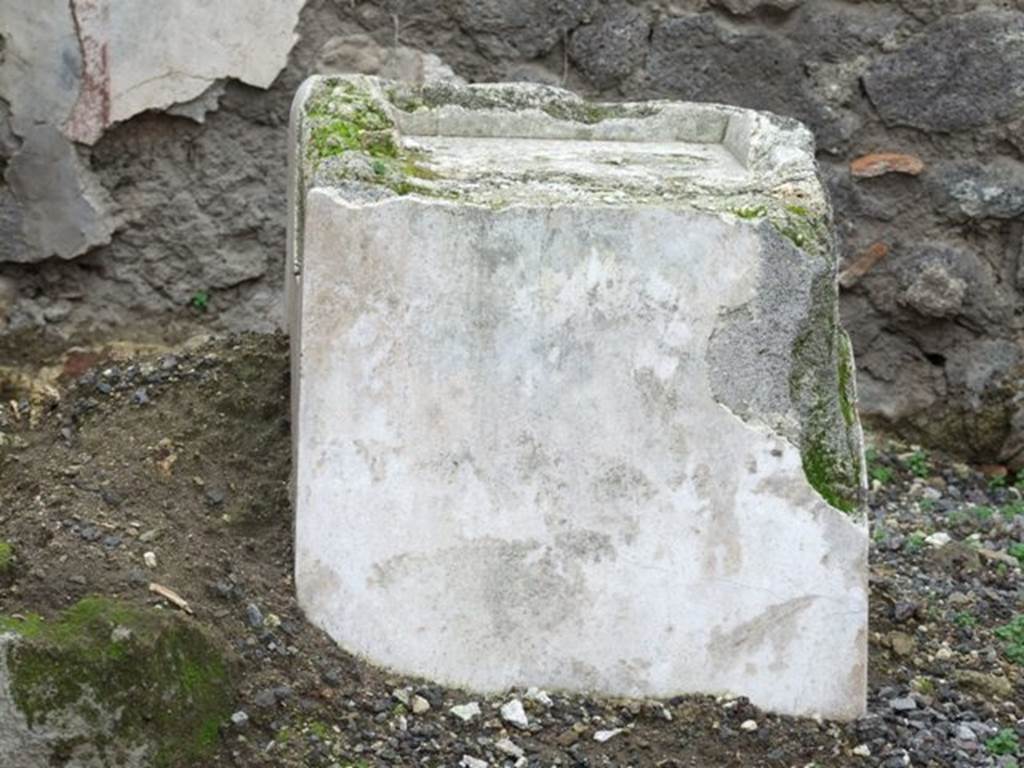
108,684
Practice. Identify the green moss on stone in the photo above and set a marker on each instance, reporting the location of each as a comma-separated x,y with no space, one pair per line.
805,229
342,120
6,558
750,212
829,441
827,475
157,680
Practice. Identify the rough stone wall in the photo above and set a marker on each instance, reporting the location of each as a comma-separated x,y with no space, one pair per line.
142,154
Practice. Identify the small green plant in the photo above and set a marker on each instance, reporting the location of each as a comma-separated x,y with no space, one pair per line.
879,534
200,300
965,619
915,541
880,473
926,505
997,481
984,513
919,464
877,471
1010,511
1003,743
1017,550
956,517
1012,635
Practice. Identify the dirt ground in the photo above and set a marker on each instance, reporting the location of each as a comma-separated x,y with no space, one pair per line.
112,450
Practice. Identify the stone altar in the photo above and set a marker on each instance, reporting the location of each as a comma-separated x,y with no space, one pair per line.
571,403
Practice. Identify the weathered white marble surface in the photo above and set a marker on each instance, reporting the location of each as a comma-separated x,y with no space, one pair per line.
566,412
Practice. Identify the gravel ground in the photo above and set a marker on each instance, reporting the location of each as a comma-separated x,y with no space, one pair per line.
123,464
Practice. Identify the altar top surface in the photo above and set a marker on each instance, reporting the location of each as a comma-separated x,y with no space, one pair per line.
525,144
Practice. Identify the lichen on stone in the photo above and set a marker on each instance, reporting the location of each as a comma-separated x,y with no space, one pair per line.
117,680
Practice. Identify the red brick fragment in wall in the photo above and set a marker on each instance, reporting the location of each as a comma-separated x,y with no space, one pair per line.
879,164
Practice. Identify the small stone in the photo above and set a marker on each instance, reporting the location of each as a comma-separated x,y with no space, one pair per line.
996,556
935,292
466,712
222,589
903,611
509,747
254,616
862,750
402,696
982,682
902,704
514,714
419,705
149,535
468,761
568,737
140,396
902,644
938,539
282,692
602,736
965,734
265,698
881,163
272,621
240,719
539,696
149,558
749,726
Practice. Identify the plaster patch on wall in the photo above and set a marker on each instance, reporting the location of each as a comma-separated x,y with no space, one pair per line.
73,68
132,62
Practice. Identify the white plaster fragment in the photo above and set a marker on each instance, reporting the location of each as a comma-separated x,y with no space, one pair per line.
131,64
